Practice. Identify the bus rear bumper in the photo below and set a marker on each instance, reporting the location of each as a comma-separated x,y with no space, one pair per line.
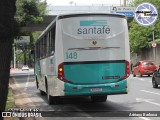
96,89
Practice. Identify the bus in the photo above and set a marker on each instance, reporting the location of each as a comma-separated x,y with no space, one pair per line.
83,54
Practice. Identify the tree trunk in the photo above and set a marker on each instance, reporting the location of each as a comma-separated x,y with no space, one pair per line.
25,59
7,11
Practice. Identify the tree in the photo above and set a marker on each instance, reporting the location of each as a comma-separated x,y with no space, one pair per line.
7,12
29,12
141,36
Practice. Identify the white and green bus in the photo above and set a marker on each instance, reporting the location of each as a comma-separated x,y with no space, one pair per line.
83,55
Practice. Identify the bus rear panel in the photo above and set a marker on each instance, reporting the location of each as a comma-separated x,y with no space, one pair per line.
83,55
93,54
101,77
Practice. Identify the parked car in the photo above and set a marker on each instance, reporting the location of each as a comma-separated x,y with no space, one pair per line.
145,67
156,78
25,67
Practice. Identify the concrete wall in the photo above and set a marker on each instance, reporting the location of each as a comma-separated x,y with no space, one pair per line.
147,54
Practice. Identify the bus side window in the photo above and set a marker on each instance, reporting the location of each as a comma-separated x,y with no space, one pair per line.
41,50
53,40
47,43
45,46
36,49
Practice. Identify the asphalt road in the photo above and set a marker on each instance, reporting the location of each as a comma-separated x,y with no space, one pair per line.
142,98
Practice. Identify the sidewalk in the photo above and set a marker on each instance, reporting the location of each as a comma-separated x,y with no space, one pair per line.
21,99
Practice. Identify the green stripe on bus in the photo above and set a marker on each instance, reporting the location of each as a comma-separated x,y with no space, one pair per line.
111,88
94,73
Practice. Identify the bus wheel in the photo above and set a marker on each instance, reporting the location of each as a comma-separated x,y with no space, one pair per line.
101,98
49,97
37,83
134,74
42,92
141,75
57,100
50,101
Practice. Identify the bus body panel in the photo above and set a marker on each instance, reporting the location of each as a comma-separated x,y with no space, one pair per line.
94,72
93,50
113,45
96,89
84,40
45,70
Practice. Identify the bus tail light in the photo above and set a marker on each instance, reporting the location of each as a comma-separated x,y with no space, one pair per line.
127,71
61,73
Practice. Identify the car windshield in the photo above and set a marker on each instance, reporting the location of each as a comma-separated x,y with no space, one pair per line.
148,63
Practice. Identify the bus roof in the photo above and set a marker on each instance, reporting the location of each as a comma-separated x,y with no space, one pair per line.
62,16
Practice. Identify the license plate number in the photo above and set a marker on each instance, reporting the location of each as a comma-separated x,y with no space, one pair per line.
96,89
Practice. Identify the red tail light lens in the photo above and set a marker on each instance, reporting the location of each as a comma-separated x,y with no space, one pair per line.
61,73
127,70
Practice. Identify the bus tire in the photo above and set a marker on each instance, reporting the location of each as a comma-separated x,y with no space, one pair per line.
53,100
141,75
57,100
100,98
49,98
134,74
37,83
42,92
50,101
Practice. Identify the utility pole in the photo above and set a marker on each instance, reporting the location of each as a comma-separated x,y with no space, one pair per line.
124,3
154,48
14,56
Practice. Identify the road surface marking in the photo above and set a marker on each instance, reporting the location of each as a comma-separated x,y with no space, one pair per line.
150,92
21,101
141,79
26,85
75,109
144,118
147,100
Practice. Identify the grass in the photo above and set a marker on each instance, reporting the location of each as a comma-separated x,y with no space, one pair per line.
10,99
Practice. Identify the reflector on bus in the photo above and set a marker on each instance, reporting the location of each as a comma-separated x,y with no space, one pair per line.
61,73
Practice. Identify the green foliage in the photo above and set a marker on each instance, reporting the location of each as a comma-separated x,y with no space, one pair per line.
30,11
10,101
35,35
141,36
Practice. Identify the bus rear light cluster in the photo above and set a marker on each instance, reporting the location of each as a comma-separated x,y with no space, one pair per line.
61,73
127,68
127,71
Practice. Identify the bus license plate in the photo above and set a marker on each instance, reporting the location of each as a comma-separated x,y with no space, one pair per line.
96,89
